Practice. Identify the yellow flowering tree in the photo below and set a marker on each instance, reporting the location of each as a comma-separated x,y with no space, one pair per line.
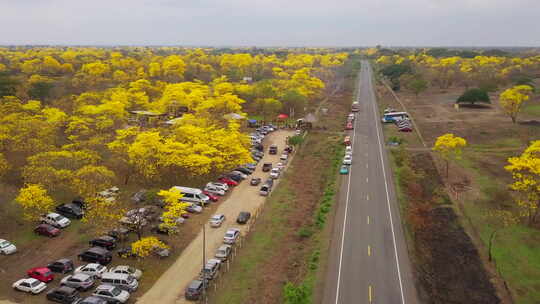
174,208
525,171
145,246
35,201
512,100
449,147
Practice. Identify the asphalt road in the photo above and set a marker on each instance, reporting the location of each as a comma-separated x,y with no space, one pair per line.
368,262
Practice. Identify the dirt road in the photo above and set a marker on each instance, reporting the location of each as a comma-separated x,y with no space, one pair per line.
171,285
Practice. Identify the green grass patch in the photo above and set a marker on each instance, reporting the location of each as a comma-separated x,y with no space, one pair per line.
532,109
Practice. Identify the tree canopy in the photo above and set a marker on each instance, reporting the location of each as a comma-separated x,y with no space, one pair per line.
473,96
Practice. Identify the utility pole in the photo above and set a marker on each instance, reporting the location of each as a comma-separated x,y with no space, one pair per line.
203,263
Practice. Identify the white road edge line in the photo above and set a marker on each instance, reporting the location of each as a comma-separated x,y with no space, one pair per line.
388,199
346,209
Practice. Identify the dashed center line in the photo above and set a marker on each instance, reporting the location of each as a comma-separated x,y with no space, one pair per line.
369,250
370,292
367,197
367,179
367,165
368,219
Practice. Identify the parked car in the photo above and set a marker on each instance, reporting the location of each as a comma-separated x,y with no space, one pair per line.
251,167
280,166
228,181
222,186
29,285
255,181
243,170
344,169
347,140
273,149
242,175
348,153
119,233
257,153
47,230
349,126
42,274
210,269
61,266
7,247
265,190
217,220
234,177
213,189
289,149
125,269
79,281
194,208
267,167
55,220
269,181
231,236
93,300
348,149
194,290
70,210
92,269
121,280
347,160
104,241
258,146
96,255
243,217
274,173
111,294
223,252
213,197
64,295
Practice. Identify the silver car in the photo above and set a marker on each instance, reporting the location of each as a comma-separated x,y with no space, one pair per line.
78,281
111,294
217,220
223,252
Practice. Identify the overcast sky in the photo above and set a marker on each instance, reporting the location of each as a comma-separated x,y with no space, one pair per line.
272,22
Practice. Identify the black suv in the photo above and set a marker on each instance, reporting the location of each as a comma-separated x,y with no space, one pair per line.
64,294
61,266
105,241
96,255
70,210
244,170
194,290
243,217
273,149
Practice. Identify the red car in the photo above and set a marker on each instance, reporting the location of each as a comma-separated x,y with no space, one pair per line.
212,197
42,274
349,126
47,230
228,181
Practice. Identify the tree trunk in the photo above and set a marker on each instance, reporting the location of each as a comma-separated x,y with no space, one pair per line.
447,165
490,246
513,118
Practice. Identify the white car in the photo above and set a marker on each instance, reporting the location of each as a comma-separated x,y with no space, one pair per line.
348,149
111,294
217,220
93,269
223,252
29,285
7,247
347,160
214,190
274,173
194,208
349,153
125,269
280,166
222,186
284,157
56,220
231,236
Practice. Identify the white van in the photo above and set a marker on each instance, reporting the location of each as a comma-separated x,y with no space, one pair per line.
121,280
193,195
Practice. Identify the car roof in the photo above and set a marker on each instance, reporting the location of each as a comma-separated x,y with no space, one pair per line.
66,289
40,269
29,280
121,267
104,287
245,213
224,247
63,261
233,230
80,275
195,284
97,250
93,300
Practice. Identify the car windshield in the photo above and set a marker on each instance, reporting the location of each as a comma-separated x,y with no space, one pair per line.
35,283
229,234
4,244
46,274
99,267
130,279
115,291
49,228
58,218
221,252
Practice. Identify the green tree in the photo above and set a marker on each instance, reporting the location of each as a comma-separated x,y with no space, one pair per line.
474,95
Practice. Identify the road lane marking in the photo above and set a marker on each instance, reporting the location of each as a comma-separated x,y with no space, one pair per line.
367,197
367,165
387,195
370,294
367,179
368,219
368,250
346,211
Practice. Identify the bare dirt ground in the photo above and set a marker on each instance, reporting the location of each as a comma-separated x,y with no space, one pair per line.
170,287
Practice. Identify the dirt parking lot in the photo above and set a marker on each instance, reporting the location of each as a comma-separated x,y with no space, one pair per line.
170,286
